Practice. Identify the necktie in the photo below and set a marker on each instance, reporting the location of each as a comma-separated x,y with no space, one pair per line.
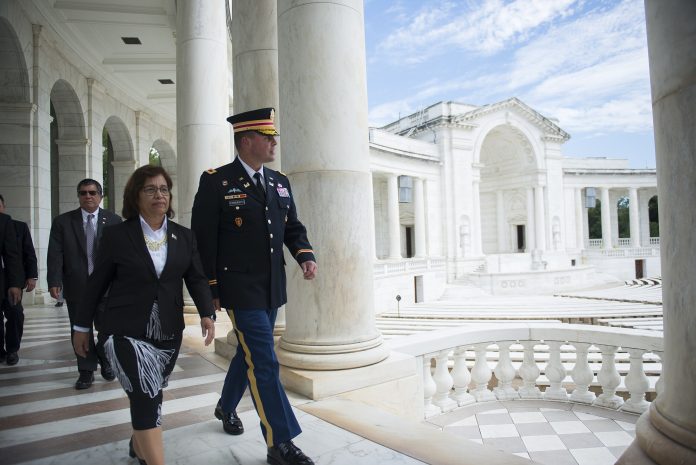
89,235
259,185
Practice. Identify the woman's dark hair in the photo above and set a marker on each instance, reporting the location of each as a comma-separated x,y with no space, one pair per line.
136,183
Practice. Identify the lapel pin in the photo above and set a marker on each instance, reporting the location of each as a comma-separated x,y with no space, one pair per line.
173,236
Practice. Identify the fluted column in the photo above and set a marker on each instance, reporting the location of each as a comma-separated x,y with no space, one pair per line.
666,434
255,62
202,95
500,216
393,225
634,220
419,216
579,219
606,218
476,227
539,217
529,230
323,107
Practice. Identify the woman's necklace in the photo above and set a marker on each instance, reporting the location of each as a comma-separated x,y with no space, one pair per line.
155,245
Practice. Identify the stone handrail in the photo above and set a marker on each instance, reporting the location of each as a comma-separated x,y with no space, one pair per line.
407,265
624,252
445,389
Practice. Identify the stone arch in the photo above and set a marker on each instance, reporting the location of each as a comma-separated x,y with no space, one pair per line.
508,159
168,161
68,146
123,156
15,124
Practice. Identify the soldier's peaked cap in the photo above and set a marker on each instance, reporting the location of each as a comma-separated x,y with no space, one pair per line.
260,120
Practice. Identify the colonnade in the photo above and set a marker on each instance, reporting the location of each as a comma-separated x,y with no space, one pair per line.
394,221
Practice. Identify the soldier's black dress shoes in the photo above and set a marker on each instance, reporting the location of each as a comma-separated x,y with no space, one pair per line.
85,380
133,455
12,358
230,421
107,372
287,453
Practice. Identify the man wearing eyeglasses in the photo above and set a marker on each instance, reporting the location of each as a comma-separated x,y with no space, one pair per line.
242,215
72,247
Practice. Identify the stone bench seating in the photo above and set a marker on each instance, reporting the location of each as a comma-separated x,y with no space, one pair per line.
459,363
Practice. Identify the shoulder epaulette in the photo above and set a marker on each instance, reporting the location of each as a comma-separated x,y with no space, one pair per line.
280,172
211,171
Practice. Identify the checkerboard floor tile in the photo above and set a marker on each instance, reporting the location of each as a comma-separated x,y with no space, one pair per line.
555,434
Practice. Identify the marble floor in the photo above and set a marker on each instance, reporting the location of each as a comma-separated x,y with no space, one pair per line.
44,420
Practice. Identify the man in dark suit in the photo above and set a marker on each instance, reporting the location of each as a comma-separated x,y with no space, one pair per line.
11,273
242,215
11,331
72,247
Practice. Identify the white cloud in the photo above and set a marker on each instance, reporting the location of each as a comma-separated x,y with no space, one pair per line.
485,28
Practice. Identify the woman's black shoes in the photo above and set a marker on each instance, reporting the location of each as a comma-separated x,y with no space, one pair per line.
132,454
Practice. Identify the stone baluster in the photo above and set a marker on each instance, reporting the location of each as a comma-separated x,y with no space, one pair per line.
481,374
582,375
529,372
429,388
461,378
609,378
555,373
658,385
443,382
505,373
636,383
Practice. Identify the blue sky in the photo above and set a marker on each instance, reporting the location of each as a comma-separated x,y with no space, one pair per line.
584,62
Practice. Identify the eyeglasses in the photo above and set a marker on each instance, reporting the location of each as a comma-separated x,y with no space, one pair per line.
84,193
151,190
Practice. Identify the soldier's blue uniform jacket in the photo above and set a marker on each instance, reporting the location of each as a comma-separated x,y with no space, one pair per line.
240,236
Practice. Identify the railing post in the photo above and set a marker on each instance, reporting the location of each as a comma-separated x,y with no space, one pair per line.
555,373
461,378
529,372
636,383
481,374
609,378
658,384
582,375
443,382
505,373
429,388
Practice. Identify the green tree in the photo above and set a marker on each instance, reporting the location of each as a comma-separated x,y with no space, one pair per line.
155,159
623,218
594,220
653,217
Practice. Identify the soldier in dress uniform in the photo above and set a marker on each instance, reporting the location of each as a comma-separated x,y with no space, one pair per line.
242,215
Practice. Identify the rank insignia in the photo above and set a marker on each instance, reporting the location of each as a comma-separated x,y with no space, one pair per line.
241,178
246,184
224,182
238,221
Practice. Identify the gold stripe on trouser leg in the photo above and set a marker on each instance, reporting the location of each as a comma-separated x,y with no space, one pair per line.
252,381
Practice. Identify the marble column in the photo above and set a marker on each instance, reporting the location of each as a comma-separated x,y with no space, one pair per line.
477,246
634,220
666,434
606,218
202,95
255,62
500,221
539,217
419,217
529,230
122,171
323,106
579,219
393,223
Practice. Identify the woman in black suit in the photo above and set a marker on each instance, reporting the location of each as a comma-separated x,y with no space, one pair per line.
141,263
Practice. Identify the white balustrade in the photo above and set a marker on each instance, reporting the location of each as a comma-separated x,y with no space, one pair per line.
654,241
529,372
480,374
658,384
429,389
555,373
444,390
636,383
624,242
594,243
582,375
461,378
505,373
609,379
443,382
